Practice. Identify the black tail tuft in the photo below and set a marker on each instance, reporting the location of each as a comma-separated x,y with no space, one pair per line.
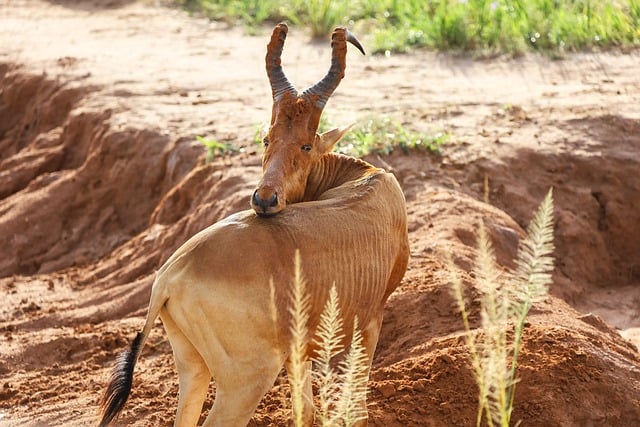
119,387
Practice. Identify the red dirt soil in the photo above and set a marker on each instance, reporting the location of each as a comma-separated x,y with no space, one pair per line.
101,179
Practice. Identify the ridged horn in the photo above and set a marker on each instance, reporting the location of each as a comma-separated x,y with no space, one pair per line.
325,87
279,82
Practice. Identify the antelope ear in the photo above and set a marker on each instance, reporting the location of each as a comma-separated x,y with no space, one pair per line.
331,137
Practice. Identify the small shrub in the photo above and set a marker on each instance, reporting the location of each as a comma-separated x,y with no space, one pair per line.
323,15
383,135
215,147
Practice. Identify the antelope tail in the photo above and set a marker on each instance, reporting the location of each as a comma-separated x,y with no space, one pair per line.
119,388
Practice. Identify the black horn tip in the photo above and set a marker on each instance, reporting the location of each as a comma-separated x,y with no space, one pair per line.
354,41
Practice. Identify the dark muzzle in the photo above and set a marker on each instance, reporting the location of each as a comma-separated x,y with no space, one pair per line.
262,206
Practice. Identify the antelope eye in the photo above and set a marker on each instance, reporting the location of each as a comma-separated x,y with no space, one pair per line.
265,141
306,148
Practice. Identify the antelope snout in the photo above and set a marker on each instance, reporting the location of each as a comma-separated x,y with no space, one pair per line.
265,205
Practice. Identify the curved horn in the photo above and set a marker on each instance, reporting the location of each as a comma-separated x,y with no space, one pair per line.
325,87
279,82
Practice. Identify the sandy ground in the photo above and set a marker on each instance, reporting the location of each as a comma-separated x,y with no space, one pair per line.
101,179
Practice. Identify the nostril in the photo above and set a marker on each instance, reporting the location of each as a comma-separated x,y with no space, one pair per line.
256,199
273,200
264,204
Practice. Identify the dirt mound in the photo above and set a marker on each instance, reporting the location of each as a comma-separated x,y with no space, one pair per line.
100,180
596,189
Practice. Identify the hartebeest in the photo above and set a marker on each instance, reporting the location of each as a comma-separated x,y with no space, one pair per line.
214,294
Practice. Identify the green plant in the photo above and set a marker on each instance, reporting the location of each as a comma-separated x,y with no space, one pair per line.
505,303
339,390
215,147
323,15
382,135
259,133
485,27
251,13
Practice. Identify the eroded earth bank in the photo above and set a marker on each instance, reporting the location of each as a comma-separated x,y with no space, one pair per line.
101,179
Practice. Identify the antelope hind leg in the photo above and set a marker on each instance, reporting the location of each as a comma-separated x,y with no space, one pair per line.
239,388
370,335
193,375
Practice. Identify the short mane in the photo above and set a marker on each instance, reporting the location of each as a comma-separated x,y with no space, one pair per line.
334,170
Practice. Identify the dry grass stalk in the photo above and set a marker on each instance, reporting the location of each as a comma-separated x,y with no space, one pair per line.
341,389
299,332
505,303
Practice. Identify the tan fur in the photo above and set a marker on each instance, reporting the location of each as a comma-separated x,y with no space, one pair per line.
213,294
293,148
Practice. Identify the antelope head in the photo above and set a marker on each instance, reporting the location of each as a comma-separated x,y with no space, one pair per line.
292,145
